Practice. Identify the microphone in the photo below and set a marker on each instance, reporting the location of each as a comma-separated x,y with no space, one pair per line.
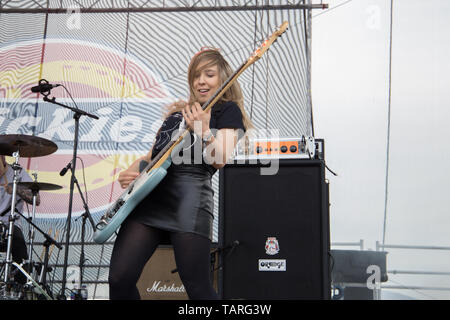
44,86
64,170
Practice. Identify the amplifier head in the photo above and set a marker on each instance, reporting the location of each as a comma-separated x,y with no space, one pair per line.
278,147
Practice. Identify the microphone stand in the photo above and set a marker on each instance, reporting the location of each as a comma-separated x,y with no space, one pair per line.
47,243
230,247
218,250
85,215
77,114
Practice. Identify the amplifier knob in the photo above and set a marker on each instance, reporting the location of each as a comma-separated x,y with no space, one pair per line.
293,149
259,149
283,149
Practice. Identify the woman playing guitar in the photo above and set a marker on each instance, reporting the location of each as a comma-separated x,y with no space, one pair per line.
180,208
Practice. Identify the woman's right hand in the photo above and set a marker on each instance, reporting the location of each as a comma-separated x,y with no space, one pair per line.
126,177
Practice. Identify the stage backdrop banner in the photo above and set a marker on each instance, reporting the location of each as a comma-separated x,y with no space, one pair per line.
126,67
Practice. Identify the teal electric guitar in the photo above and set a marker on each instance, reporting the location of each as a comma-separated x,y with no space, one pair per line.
156,170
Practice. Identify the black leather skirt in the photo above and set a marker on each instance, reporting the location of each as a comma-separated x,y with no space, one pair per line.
181,202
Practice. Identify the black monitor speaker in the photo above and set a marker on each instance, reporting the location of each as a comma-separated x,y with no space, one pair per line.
274,231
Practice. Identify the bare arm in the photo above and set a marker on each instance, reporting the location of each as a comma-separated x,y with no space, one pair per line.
220,147
127,176
27,195
22,192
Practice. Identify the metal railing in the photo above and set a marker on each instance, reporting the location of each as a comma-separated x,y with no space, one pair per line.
382,247
360,244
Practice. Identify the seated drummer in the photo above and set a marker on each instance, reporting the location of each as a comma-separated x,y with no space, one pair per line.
19,248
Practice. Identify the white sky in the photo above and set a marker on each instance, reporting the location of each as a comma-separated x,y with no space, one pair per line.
350,81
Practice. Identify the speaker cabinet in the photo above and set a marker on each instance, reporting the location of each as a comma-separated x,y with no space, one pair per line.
274,231
158,282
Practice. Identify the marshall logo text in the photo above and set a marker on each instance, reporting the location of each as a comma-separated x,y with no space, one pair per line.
157,287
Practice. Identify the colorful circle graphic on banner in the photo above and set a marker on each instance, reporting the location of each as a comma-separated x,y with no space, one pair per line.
111,84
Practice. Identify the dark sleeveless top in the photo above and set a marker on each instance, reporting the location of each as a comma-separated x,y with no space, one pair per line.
183,201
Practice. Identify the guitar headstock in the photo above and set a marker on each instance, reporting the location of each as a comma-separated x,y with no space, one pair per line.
267,43
255,56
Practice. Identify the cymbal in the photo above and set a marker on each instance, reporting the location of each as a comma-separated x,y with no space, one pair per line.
37,186
6,149
28,146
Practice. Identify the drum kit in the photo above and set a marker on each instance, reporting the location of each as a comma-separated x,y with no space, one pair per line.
17,146
27,146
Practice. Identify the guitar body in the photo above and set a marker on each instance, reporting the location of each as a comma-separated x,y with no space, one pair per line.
126,203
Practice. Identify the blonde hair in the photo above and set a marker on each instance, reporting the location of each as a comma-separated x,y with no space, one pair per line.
212,57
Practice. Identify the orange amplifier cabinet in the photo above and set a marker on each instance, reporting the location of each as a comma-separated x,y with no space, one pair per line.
268,148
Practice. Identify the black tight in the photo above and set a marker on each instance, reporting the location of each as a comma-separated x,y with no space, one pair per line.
134,246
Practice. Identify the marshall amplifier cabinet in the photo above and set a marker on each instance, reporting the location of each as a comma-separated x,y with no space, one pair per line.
159,279
274,230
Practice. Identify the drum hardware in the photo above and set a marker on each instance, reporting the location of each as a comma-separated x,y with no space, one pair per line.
77,115
16,167
3,233
35,187
47,243
36,285
33,215
40,266
10,291
27,146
